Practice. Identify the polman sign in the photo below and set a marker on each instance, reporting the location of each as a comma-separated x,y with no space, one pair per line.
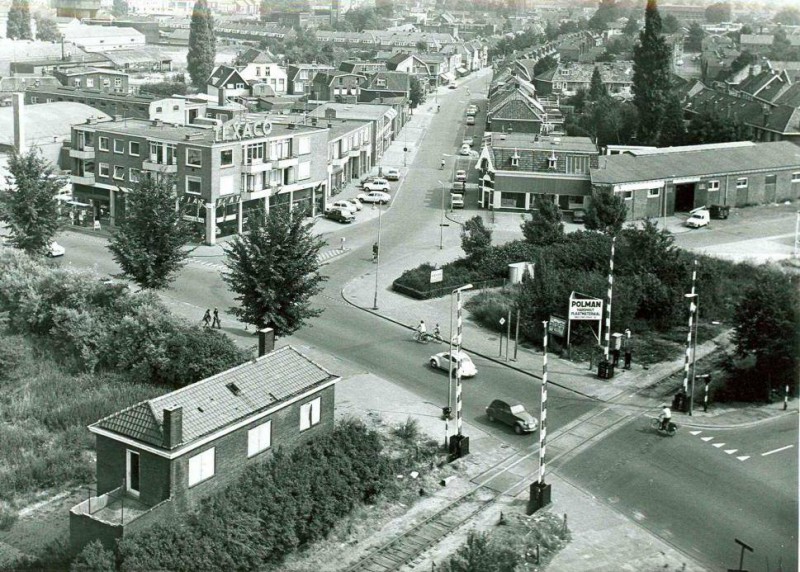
582,309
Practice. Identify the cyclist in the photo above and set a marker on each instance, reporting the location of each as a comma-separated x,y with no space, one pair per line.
665,416
422,330
441,165
437,333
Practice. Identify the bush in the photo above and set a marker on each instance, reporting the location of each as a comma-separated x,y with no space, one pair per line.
408,431
8,516
94,558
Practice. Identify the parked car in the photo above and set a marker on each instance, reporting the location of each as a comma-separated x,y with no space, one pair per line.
344,205
470,120
446,361
367,179
378,185
514,416
54,249
468,140
375,197
472,110
356,203
698,217
452,86
392,174
465,150
339,215
456,201
461,176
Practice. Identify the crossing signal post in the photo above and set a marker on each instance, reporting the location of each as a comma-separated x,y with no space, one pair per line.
540,491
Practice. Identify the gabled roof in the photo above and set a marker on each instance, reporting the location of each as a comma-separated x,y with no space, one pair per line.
398,59
293,69
329,76
253,56
697,160
394,81
766,85
220,76
222,400
780,118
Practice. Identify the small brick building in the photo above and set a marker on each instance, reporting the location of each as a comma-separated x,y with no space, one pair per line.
160,457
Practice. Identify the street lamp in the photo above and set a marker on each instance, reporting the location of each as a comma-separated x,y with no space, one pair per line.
377,259
694,309
442,223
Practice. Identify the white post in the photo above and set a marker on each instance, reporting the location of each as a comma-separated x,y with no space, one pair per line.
610,292
543,411
458,367
797,236
689,335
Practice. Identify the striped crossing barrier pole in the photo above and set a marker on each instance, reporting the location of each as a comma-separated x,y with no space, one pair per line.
689,335
458,367
786,397
610,291
543,411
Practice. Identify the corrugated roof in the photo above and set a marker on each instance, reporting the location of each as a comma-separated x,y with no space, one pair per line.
699,160
210,405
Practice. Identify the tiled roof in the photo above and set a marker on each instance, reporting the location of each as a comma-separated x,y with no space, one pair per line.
212,404
395,81
219,77
253,56
697,160
790,97
780,118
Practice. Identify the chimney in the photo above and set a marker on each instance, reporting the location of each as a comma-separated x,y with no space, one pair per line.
173,426
19,126
266,341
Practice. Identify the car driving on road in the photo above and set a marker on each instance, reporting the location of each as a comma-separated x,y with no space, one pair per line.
445,361
375,197
465,150
514,416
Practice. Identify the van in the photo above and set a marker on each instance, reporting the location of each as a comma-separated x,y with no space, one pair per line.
456,201
698,217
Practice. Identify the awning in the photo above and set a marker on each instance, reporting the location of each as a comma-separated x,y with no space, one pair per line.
462,71
543,185
447,76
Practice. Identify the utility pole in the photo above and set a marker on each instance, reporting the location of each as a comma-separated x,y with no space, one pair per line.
377,260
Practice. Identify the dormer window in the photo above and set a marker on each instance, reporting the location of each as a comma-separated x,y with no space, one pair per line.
552,160
515,159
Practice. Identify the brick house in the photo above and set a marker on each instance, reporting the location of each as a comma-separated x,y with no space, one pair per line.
385,84
300,77
338,86
93,78
160,457
227,82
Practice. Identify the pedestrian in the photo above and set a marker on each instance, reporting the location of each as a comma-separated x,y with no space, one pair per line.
341,246
627,349
615,357
216,323
207,318
375,249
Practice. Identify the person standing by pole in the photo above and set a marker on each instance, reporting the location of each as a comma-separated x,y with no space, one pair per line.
627,349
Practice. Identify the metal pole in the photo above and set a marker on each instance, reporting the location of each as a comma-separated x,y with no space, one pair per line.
516,337
689,335
543,411
508,332
705,398
458,353
610,292
450,369
377,260
694,352
797,235
786,397
441,225
500,352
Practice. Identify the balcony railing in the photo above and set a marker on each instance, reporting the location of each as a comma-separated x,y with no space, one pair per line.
85,179
86,153
159,167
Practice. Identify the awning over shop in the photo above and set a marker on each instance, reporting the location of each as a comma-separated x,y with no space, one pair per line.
447,76
543,185
462,71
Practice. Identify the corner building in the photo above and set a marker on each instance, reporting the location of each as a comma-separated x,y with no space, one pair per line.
223,171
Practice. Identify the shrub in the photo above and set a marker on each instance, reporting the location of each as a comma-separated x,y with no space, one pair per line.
408,431
480,553
8,516
94,558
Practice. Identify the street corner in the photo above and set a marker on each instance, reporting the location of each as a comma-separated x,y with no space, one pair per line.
740,415
360,290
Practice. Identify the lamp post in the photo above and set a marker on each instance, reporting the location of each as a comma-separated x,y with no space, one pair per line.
694,310
442,224
377,260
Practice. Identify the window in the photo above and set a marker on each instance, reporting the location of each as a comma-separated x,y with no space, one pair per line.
132,472
653,192
578,164
741,183
103,169
627,195
194,157
77,82
770,179
106,82
304,145
159,109
515,160
194,185
280,149
119,146
102,143
259,439
226,157
796,177
309,414
239,86
119,173
89,82
713,186
253,153
133,175
303,171
133,148
201,467
34,100
175,107
117,82
552,161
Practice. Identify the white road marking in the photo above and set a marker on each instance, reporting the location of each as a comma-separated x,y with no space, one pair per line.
706,439
694,432
743,457
731,451
718,445
777,450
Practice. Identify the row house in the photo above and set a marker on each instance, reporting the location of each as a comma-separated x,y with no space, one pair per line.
93,78
349,150
335,85
514,107
411,64
515,167
660,182
382,121
300,77
223,172
385,85
769,86
158,459
567,79
362,67
257,66
226,83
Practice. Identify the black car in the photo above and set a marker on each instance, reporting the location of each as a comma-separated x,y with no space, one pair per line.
514,416
339,215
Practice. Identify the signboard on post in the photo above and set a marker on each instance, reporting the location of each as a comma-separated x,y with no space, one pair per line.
437,276
557,326
582,309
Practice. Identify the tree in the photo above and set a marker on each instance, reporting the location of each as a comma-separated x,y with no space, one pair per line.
767,326
788,16
597,90
718,12
46,29
415,93
421,46
673,128
694,40
651,76
544,64
743,60
28,205
163,88
545,226
670,24
274,272
709,126
480,554
606,212
94,558
119,8
202,44
631,27
551,31
18,22
148,243
476,239
607,11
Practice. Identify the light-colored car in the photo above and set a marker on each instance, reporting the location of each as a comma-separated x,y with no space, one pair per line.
468,140
461,176
513,415
391,174
472,110
698,218
344,205
456,201
54,249
465,150
378,185
447,362
356,203
375,197
470,120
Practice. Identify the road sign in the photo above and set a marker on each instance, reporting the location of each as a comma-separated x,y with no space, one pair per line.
557,326
437,275
502,321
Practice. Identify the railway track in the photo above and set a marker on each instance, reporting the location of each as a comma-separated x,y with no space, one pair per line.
410,545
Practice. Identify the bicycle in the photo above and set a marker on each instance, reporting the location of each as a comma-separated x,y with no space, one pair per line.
670,430
422,337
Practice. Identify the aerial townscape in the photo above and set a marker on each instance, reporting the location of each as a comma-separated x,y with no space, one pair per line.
399,285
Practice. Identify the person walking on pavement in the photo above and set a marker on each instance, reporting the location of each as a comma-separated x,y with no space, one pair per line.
627,349
375,249
207,319
216,323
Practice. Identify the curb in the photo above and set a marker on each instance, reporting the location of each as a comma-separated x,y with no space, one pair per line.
743,425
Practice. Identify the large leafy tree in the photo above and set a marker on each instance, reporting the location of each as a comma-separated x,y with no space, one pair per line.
476,239
607,12
274,271
202,44
415,93
119,8
673,129
149,241
544,64
767,326
544,226
46,30
28,205
606,212
651,76
718,12
694,41
709,126
18,22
